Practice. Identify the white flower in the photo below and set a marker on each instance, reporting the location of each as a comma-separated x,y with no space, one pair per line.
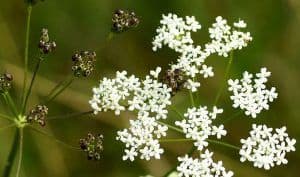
207,71
198,125
251,94
265,148
204,166
191,85
240,24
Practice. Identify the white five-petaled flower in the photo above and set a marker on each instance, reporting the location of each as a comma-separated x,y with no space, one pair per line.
265,148
203,166
250,94
198,125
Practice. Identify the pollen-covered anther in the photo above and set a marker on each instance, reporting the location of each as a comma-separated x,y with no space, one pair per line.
45,45
123,20
5,82
83,63
38,115
92,145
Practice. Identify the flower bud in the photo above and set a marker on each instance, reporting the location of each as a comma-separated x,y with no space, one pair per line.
38,115
45,45
83,63
92,145
123,20
174,79
5,82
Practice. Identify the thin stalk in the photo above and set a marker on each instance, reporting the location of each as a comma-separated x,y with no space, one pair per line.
175,140
66,116
60,91
219,94
7,126
170,126
29,10
55,88
20,152
177,112
12,155
11,103
24,105
6,117
223,144
55,139
237,114
192,98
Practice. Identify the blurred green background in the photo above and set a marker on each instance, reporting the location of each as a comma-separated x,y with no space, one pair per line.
85,24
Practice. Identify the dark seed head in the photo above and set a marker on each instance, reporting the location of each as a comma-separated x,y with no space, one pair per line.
92,145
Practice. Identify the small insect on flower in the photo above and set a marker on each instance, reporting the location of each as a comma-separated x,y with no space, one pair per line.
45,45
83,63
5,82
38,114
174,79
123,20
92,145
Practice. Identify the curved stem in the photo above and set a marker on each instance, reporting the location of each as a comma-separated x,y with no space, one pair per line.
29,10
6,117
60,91
20,152
57,140
174,140
237,114
12,155
177,112
223,144
70,115
219,94
24,105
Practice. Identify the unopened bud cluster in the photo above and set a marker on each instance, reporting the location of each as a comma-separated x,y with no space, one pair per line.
124,20
83,63
92,145
174,79
38,115
5,82
45,45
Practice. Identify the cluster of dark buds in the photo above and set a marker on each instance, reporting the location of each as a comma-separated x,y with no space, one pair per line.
38,114
5,82
83,63
45,45
92,145
122,20
174,79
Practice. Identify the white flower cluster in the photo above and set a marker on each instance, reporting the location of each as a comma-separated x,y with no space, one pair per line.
204,166
265,148
175,32
251,94
198,125
149,98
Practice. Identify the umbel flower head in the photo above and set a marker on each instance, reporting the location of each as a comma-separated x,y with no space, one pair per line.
45,45
38,115
266,148
123,20
200,167
5,82
251,94
83,63
92,145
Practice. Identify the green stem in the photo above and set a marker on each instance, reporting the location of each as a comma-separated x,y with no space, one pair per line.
70,115
223,144
174,140
55,88
20,152
219,94
12,155
52,137
6,117
192,98
60,91
29,10
7,126
237,114
24,105
11,103
177,112
170,126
